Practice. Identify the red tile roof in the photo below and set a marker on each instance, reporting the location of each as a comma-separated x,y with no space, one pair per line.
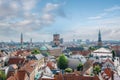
59,76
1,54
73,76
22,52
16,60
87,65
12,78
18,75
108,60
29,67
115,47
107,73
21,74
10,73
47,79
51,64
84,53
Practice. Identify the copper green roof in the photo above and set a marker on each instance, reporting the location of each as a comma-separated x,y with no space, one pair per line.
43,48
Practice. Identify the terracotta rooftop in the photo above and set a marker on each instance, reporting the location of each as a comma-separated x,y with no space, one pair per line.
10,73
19,75
1,54
115,47
22,52
12,78
71,76
51,64
87,65
30,66
16,60
84,53
107,73
108,60
117,53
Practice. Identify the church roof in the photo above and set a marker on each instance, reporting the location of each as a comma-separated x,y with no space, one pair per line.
102,50
43,48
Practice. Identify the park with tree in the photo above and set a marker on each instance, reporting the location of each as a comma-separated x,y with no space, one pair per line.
62,62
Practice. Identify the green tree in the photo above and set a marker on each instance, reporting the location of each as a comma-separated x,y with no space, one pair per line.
62,62
69,70
2,75
92,48
97,69
80,67
35,51
113,54
46,54
90,55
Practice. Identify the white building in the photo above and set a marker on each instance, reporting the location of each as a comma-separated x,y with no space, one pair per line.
102,53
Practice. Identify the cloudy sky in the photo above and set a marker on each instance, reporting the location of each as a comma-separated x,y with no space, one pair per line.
40,19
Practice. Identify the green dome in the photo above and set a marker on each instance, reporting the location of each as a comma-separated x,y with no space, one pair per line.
43,48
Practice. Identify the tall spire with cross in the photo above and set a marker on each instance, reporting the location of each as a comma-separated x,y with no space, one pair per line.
21,40
99,39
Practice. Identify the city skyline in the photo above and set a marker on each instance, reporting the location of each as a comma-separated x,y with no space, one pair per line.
72,19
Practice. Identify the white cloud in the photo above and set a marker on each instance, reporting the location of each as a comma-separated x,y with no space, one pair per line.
95,17
107,22
24,22
105,13
110,22
17,16
47,18
108,33
112,8
50,7
100,16
28,4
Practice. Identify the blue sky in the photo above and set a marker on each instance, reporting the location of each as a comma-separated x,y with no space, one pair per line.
40,19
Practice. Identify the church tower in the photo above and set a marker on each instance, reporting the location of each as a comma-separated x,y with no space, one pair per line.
99,39
31,42
21,40
56,39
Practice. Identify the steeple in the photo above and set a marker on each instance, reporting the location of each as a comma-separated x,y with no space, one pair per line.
99,39
31,42
99,36
21,40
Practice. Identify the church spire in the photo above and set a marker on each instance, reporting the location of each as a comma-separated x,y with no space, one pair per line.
99,39
21,40
99,36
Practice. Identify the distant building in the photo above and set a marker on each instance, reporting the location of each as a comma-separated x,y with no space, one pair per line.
99,39
79,41
56,39
116,48
61,41
78,50
87,41
30,43
55,51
